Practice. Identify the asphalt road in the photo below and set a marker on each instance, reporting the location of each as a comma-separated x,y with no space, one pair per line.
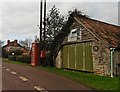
27,78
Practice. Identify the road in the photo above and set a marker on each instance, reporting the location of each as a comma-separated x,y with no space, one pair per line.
21,77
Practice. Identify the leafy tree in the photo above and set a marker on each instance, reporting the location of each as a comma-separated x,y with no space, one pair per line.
54,23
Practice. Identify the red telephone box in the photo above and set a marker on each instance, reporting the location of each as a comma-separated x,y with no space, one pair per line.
35,54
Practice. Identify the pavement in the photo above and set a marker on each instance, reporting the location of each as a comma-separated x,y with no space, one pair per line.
17,77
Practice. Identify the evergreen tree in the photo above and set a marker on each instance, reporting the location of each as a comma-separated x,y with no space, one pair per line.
54,23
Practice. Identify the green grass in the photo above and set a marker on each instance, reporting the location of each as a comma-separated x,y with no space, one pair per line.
14,62
91,80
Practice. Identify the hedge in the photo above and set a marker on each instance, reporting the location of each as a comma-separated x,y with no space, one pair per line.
24,59
19,58
12,57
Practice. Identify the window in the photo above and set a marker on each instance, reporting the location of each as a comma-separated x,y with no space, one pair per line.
74,35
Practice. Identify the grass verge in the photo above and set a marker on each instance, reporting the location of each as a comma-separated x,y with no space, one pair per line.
93,81
14,62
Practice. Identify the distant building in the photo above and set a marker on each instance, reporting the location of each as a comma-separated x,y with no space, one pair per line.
13,47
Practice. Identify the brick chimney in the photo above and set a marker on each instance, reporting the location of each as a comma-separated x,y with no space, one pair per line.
15,43
8,42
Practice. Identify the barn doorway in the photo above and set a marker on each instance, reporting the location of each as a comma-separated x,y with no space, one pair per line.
78,57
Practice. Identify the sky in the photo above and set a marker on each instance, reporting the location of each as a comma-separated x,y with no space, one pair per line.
20,19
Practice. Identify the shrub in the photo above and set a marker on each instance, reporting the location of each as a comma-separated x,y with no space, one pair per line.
19,58
25,59
12,57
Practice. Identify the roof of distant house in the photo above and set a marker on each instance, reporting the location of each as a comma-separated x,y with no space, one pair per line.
11,43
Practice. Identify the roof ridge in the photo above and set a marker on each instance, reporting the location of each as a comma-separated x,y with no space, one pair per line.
93,19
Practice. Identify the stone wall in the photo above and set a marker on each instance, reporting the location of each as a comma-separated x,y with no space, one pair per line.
116,62
101,58
58,62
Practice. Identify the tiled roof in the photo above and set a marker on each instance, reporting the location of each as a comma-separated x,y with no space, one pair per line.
108,33
12,45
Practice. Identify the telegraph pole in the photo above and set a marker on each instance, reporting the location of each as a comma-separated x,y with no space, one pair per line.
41,21
44,20
42,34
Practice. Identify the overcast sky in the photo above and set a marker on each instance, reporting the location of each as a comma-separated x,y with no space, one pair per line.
20,19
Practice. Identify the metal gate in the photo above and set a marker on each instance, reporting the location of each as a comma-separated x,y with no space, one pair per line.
78,57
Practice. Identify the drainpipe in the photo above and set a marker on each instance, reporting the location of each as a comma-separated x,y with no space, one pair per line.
111,60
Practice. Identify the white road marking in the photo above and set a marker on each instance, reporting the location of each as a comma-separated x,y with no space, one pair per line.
13,72
23,78
40,89
7,69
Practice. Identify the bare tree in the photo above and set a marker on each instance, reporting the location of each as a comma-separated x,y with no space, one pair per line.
26,43
1,43
36,39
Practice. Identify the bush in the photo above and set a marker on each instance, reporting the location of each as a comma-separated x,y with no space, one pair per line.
19,58
24,59
12,57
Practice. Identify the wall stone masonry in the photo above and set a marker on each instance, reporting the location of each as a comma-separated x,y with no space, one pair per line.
101,59
58,62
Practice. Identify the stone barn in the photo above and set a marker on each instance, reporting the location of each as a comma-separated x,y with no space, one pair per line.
91,46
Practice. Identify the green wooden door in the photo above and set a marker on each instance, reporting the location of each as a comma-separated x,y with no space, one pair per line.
78,56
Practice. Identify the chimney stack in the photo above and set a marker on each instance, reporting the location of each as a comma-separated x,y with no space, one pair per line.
15,43
8,42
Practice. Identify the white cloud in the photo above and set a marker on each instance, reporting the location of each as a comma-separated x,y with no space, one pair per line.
105,11
19,19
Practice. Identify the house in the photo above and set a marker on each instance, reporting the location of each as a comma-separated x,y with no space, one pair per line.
92,46
13,47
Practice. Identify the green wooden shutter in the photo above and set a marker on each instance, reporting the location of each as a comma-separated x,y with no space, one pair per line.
88,58
72,57
79,56
65,56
